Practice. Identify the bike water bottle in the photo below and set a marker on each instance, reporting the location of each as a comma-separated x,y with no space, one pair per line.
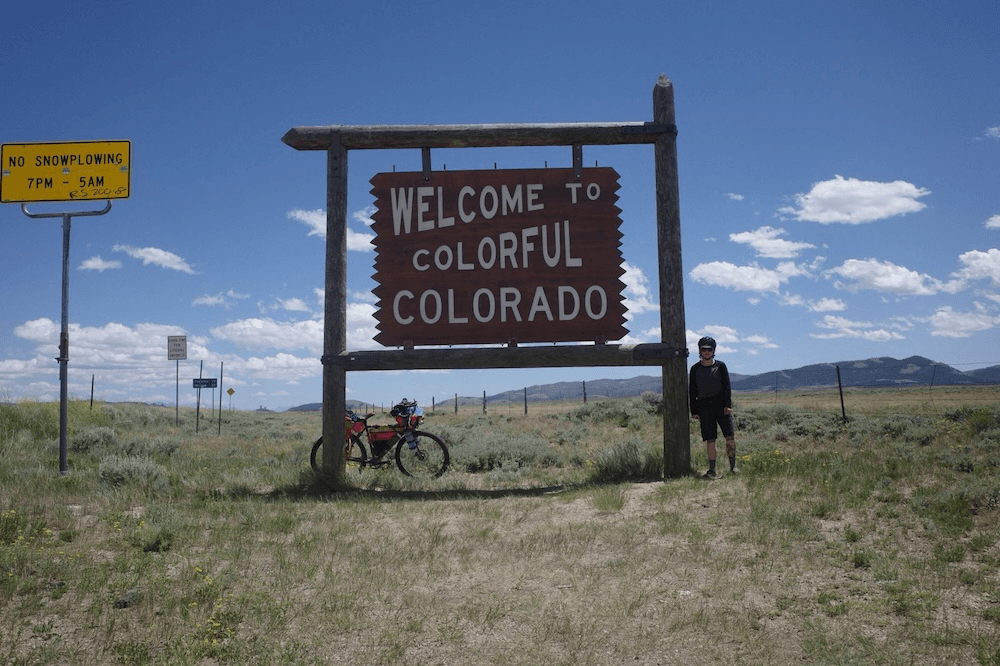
411,440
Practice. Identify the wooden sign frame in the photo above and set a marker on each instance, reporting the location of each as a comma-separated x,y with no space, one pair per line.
671,353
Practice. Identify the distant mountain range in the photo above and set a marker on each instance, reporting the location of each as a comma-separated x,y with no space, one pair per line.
879,372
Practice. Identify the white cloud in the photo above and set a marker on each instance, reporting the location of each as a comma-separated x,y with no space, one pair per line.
978,265
746,278
815,264
362,296
760,342
649,335
637,297
208,299
845,328
993,222
281,367
766,242
360,242
948,323
292,305
853,201
156,257
361,329
734,197
98,264
37,330
691,338
13,370
722,334
993,132
263,333
827,305
794,300
316,221
884,276
725,336
821,305
125,357
365,215
219,299
112,345
257,333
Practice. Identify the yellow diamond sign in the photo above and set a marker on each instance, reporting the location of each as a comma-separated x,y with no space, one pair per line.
65,171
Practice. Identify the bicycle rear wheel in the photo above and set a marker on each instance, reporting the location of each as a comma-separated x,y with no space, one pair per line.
355,454
428,460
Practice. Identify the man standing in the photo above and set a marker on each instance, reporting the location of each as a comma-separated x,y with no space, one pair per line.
711,400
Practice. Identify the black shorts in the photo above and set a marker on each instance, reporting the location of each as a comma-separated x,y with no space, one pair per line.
712,417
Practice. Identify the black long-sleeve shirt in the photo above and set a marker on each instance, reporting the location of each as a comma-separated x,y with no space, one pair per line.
709,381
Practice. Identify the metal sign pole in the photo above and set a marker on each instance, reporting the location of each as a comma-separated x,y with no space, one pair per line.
222,369
197,409
63,357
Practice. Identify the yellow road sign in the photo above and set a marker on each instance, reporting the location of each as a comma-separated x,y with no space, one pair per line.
65,171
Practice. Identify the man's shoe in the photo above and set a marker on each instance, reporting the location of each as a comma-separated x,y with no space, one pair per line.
709,475
735,470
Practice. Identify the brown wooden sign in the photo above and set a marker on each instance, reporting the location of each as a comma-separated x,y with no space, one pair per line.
478,257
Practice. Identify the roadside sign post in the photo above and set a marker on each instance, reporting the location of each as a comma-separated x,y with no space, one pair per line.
177,351
200,383
63,357
222,367
69,171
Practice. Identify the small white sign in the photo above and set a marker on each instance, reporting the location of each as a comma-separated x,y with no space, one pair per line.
177,347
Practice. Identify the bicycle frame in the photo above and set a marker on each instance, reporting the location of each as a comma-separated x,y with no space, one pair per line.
424,454
379,439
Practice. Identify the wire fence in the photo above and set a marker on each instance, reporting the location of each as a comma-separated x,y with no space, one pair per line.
914,387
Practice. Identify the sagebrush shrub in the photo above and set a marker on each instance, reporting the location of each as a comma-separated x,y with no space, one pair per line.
92,438
574,433
494,450
155,447
39,419
632,413
628,460
143,473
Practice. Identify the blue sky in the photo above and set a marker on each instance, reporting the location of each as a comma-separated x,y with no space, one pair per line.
839,167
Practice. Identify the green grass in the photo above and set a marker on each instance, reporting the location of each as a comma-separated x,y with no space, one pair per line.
551,540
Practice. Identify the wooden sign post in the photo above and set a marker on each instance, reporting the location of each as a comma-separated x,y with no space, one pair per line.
500,297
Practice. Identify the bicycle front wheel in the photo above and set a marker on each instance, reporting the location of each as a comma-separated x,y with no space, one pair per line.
314,454
355,455
428,460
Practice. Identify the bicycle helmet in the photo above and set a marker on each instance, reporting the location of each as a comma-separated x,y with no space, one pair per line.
707,343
